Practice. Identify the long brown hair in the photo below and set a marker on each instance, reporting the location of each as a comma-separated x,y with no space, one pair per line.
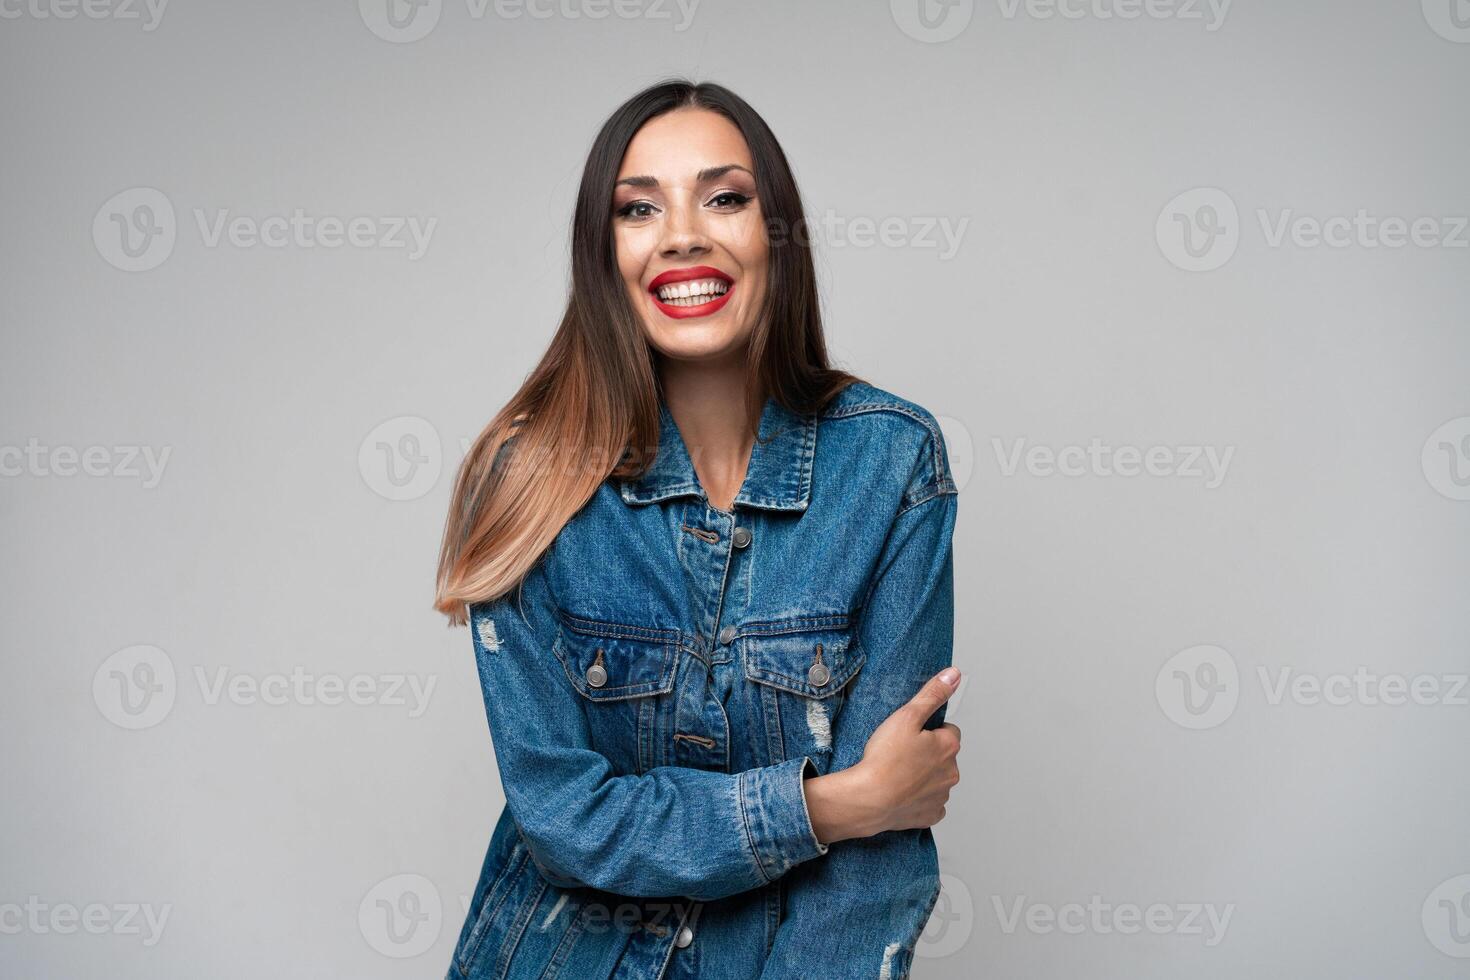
592,402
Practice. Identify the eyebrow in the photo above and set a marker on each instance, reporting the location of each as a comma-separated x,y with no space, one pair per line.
708,173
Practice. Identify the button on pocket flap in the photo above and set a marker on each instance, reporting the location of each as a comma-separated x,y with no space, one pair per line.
814,657
609,661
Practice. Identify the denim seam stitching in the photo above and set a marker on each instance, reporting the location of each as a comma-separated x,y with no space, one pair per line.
517,865
745,824
798,624
936,435
820,847
799,686
619,631
944,488
625,695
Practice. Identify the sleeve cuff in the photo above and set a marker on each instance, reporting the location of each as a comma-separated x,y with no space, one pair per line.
777,822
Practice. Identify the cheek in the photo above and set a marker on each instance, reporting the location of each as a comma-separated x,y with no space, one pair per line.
632,257
753,255
749,240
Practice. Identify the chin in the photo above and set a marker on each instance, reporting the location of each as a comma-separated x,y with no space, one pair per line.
688,342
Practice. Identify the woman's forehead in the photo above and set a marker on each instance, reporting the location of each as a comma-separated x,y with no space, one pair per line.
676,146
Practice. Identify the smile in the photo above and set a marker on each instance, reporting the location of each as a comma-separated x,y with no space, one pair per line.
696,291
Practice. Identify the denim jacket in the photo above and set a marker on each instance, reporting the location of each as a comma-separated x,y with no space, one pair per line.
666,676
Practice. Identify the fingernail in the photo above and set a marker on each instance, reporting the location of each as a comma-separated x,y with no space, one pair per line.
950,676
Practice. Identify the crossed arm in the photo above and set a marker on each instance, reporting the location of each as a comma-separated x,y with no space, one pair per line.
670,831
859,911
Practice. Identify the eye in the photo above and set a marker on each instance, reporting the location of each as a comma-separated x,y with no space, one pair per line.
730,199
637,209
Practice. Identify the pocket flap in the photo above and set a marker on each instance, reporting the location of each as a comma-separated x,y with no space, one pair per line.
610,661
785,654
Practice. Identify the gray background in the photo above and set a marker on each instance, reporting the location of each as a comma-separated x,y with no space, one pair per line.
276,833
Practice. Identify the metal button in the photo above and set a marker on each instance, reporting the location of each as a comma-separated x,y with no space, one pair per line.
818,675
727,635
597,674
742,537
684,938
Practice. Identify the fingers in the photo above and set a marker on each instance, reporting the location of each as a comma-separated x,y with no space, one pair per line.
934,693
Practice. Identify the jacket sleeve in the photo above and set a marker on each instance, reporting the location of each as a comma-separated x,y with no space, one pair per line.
860,910
672,831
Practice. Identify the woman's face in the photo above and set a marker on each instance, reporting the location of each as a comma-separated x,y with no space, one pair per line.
690,239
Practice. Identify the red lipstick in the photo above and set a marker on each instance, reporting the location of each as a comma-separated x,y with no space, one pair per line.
685,275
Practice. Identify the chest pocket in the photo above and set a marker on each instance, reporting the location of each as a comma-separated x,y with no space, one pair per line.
620,671
803,667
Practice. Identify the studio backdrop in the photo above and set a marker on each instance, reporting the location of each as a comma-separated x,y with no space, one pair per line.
1185,281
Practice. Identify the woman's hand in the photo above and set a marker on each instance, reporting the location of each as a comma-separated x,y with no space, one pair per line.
904,778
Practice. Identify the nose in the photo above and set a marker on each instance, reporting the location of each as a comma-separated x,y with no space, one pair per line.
684,233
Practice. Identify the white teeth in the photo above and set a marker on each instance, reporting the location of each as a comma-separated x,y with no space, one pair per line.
692,293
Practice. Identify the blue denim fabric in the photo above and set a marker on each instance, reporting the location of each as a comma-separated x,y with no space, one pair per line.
655,823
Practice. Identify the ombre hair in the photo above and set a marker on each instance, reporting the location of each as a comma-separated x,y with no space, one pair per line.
590,409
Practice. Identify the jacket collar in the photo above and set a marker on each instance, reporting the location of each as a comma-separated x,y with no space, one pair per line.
779,476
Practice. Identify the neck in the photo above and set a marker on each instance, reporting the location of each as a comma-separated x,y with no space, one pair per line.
707,401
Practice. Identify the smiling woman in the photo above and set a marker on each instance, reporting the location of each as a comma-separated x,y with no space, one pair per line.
711,584
692,207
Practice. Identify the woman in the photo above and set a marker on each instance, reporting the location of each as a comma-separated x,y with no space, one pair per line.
710,587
